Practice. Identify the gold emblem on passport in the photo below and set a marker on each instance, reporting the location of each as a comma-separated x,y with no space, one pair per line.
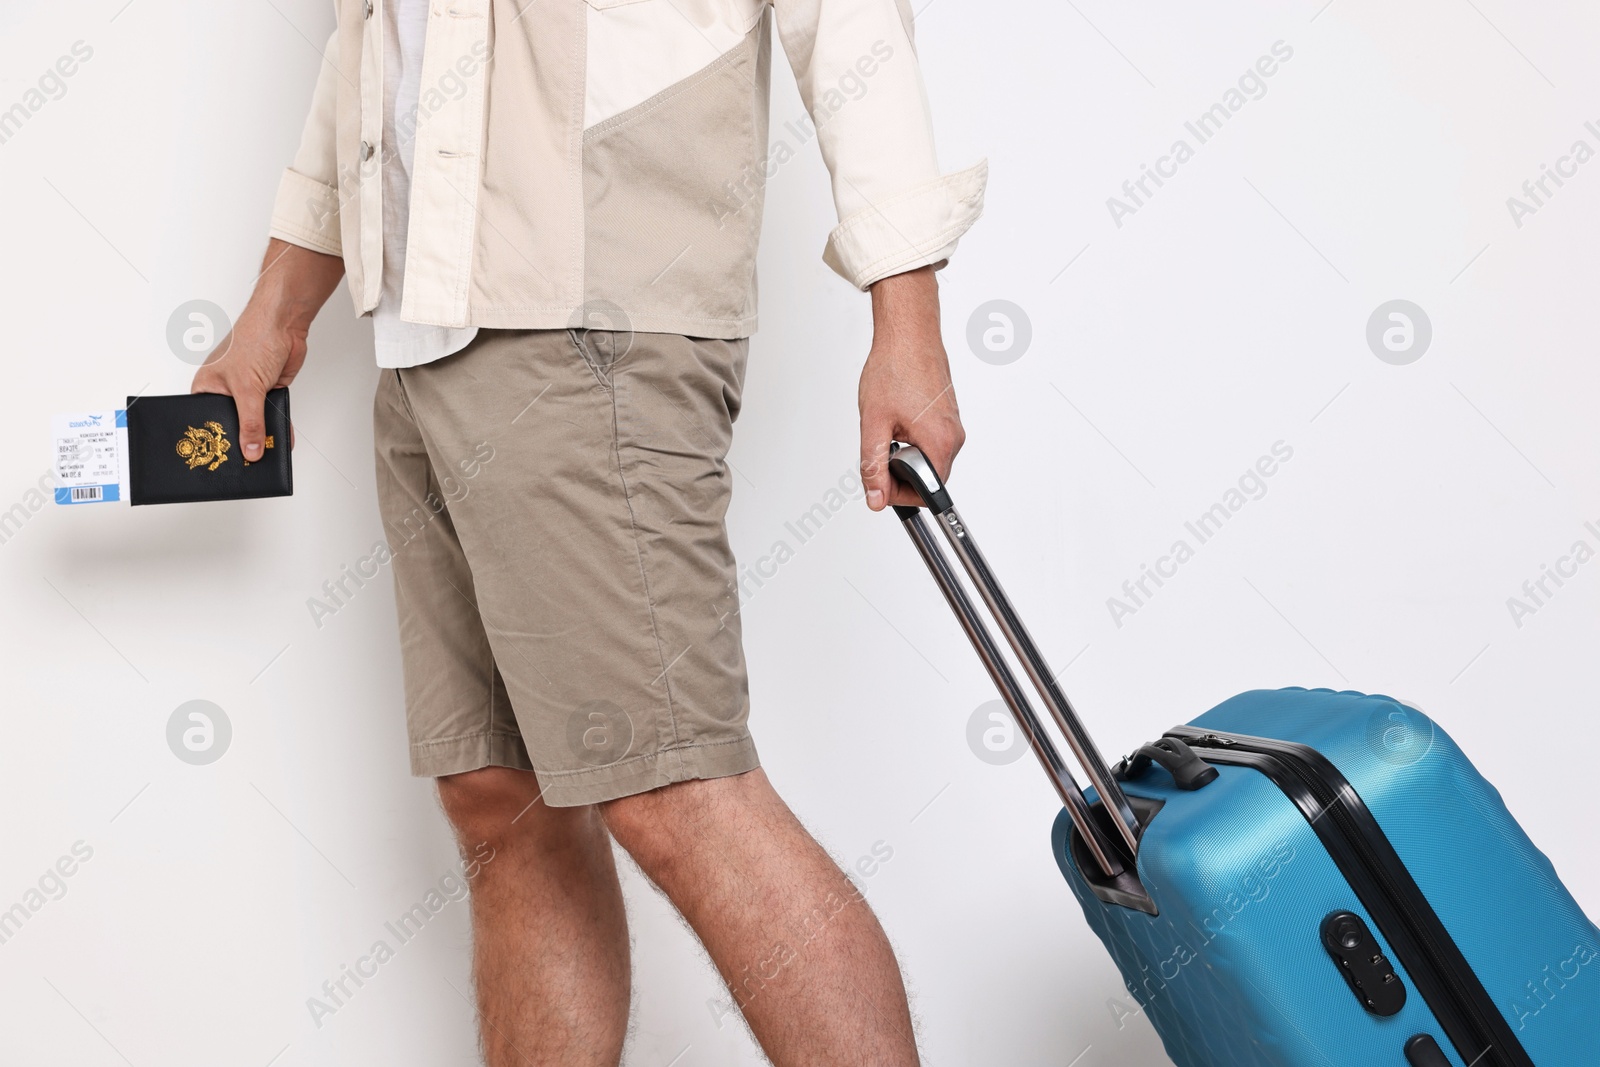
206,447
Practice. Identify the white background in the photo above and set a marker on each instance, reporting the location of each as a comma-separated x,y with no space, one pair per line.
1225,315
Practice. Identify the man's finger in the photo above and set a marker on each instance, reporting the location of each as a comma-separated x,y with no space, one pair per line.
252,424
904,496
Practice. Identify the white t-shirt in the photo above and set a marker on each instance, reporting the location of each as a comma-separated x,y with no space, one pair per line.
400,343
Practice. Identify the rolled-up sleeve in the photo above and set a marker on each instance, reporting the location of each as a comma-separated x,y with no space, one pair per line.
306,210
857,70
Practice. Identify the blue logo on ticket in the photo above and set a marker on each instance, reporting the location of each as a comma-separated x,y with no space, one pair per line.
91,457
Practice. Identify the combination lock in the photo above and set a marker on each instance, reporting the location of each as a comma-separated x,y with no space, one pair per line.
1366,969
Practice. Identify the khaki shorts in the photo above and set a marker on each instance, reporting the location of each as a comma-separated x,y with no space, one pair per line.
553,502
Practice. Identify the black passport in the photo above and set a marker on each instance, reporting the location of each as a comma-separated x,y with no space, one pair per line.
186,448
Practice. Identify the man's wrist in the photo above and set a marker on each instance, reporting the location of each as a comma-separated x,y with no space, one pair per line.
905,307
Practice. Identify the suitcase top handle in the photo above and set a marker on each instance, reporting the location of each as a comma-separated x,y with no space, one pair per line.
1110,850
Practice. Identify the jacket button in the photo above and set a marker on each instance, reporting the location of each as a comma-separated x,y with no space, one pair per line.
366,9
366,151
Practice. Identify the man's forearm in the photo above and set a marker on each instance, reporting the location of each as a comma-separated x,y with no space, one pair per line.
294,284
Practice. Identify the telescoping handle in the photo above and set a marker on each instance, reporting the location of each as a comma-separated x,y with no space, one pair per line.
910,466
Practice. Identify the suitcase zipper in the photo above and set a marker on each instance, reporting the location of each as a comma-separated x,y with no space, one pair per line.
1413,929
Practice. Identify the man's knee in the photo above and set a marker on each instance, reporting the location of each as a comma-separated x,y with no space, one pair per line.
490,804
645,825
664,826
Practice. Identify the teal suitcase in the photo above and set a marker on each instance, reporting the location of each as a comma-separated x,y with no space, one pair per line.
1298,878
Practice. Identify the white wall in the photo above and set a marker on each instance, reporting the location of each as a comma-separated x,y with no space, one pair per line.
1225,315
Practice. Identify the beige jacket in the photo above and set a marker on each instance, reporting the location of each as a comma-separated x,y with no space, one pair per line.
597,159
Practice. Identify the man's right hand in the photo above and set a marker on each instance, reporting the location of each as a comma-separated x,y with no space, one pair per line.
267,345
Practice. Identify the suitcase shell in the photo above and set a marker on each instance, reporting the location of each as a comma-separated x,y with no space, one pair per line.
1232,972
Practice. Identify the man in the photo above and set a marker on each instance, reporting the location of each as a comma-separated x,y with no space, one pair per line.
550,208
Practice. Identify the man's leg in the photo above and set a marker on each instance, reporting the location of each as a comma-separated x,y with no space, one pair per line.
798,946
550,939
602,590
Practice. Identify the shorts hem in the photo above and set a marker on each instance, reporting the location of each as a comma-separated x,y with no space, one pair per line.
469,752
596,785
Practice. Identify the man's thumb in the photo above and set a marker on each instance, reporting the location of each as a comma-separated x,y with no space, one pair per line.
875,462
252,426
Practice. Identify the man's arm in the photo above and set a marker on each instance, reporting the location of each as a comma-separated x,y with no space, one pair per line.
906,393
899,217
267,344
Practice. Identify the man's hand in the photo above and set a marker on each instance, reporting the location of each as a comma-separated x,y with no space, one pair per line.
906,393
267,344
